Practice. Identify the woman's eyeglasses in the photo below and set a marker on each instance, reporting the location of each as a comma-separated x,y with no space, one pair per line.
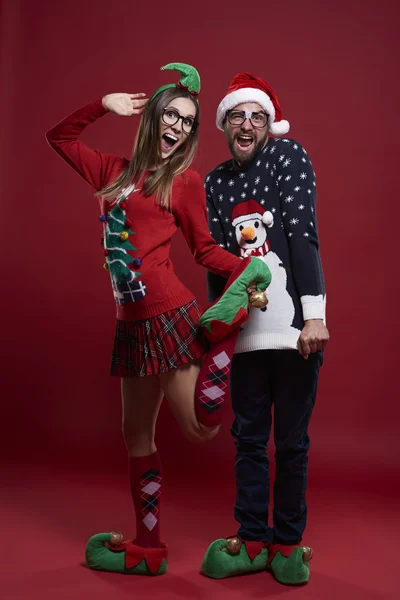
171,117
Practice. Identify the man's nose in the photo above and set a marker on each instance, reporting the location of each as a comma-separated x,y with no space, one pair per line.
246,125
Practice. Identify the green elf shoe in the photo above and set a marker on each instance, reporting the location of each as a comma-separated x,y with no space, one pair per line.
107,552
290,565
231,556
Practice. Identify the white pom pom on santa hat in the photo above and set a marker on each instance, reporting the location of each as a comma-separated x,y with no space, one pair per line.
268,218
245,87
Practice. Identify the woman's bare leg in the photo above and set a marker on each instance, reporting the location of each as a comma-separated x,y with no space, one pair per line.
179,386
141,401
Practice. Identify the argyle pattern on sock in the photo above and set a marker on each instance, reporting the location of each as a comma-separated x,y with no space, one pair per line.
213,383
146,487
150,484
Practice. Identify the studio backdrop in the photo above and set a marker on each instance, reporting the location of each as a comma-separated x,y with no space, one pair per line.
334,68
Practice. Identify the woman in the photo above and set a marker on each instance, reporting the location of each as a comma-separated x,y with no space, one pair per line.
157,343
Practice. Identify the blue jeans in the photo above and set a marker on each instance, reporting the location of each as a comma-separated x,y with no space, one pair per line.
259,380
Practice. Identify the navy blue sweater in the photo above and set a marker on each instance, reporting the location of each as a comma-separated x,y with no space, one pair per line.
280,179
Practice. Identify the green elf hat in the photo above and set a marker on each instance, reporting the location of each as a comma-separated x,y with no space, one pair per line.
190,80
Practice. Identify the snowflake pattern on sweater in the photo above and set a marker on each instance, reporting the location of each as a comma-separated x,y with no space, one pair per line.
280,180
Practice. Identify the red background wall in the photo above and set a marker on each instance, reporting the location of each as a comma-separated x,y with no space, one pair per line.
334,67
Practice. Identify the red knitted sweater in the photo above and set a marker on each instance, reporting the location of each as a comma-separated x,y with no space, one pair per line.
153,225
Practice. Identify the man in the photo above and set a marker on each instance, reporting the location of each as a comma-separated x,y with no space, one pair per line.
262,203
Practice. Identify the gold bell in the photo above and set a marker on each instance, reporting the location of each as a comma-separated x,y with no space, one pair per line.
106,267
123,236
234,544
258,299
116,538
307,554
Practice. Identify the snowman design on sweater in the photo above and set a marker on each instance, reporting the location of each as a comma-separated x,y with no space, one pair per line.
280,183
251,221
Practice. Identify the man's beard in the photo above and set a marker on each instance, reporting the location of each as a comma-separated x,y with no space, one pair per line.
244,158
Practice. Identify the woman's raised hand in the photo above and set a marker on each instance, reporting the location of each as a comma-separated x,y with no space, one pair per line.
125,105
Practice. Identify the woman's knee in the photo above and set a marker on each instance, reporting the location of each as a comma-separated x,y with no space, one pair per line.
138,440
196,432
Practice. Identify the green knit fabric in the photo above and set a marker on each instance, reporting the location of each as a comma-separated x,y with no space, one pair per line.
101,558
292,570
190,78
218,563
236,297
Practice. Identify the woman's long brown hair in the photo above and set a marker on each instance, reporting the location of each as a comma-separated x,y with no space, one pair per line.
147,153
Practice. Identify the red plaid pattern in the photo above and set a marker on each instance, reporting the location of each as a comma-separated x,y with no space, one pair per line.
157,345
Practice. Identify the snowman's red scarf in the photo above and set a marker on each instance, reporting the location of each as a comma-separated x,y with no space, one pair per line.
261,251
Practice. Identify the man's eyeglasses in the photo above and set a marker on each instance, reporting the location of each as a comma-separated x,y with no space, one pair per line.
238,117
171,116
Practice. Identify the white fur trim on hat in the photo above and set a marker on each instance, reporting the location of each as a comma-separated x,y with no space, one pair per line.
251,95
249,217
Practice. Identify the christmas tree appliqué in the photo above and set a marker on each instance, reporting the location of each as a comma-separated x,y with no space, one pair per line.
117,230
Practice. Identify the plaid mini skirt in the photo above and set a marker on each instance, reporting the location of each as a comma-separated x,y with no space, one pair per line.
159,344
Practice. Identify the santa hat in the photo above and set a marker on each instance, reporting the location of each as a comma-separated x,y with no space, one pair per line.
246,211
245,87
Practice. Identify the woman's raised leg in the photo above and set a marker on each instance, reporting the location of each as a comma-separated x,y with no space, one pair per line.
179,386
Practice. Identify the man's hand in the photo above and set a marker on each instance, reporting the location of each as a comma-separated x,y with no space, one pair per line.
125,105
314,337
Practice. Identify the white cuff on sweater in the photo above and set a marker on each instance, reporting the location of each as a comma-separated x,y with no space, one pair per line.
314,307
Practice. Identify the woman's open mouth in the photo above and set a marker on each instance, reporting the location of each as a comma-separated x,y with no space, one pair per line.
168,141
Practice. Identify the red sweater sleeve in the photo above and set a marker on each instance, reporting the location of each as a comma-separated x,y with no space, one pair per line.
95,167
190,211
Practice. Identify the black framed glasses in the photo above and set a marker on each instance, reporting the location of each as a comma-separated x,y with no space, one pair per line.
170,116
238,117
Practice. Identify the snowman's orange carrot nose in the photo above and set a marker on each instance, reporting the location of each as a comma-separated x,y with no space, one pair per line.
248,233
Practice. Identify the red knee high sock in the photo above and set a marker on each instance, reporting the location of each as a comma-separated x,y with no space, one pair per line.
146,481
212,396
212,393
